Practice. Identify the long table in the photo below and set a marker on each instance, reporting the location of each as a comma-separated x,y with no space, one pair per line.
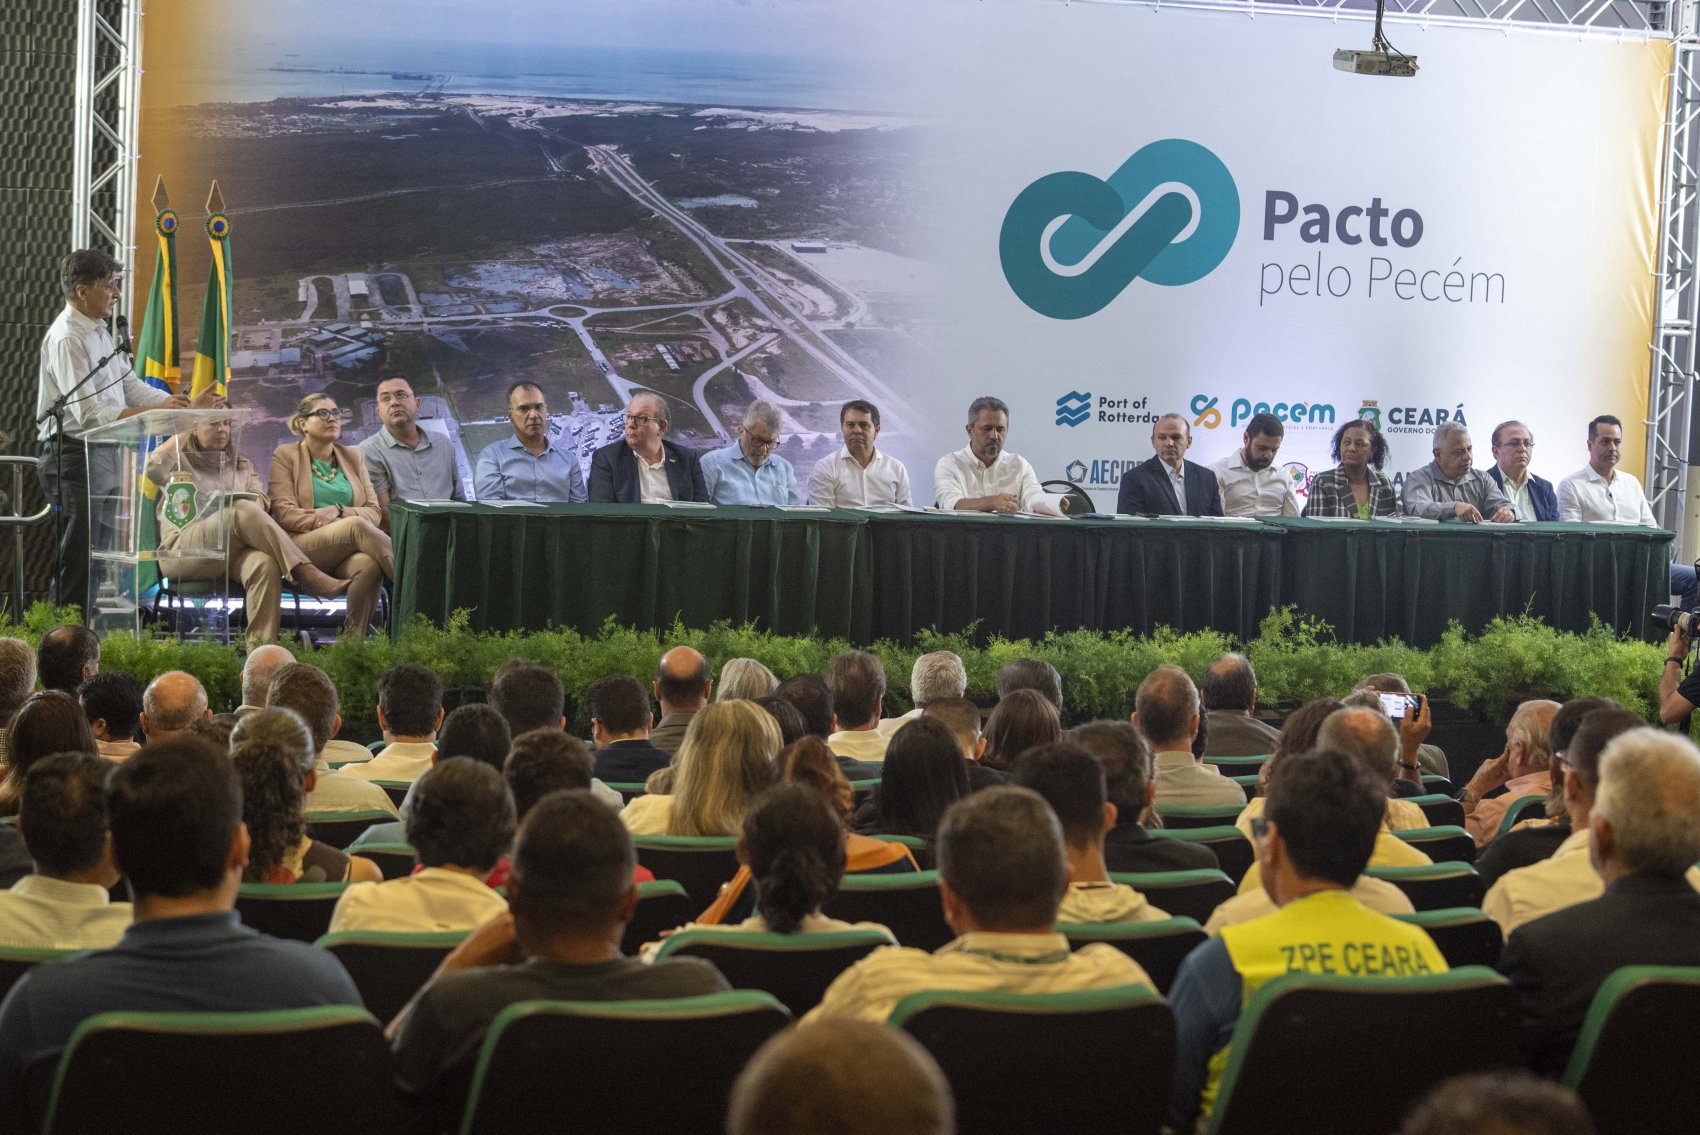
865,575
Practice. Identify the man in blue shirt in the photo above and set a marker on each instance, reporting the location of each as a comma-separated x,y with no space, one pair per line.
175,817
750,472
528,467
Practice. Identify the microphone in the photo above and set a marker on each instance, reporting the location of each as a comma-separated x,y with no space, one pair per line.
123,334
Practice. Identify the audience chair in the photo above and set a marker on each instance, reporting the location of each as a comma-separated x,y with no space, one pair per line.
1464,934
1446,1024
1433,782
325,1070
662,905
1177,816
1435,886
1234,852
396,790
301,911
1440,809
617,1067
700,864
1248,785
377,746
1438,843
794,968
395,860
861,790
1184,894
1523,808
1634,1060
339,829
907,904
15,961
1237,766
1159,947
921,849
1049,1063
629,790
1075,501
389,968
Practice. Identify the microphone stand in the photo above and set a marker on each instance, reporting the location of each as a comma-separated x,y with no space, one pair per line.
56,411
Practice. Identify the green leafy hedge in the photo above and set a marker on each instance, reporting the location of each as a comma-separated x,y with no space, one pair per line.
1296,655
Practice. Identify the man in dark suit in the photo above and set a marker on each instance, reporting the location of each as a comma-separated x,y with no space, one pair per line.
1532,497
620,718
643,466
1644,834
1169,484
1130,786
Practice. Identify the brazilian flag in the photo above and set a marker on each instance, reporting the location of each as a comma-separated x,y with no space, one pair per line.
212,349
156,360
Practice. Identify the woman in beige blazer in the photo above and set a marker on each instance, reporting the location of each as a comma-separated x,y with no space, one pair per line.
322,496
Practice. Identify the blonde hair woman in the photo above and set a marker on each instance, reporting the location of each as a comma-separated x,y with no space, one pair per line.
725,759
322,497
744,678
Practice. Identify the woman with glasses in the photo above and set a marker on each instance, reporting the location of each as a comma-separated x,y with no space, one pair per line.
322,496
1356,487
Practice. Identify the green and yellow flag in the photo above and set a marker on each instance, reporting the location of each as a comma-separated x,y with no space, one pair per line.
156,355
212,349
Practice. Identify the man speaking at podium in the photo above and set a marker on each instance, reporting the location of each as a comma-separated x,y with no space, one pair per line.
75,343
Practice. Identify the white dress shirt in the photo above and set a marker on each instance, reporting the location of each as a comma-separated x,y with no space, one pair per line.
435,899
653,487
1177,482
339,792
41,913
1253,492
859,744
399,760
961,474
74,343
1564,878
1518,495
1588,497
840,481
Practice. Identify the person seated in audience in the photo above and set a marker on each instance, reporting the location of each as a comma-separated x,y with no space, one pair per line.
1356,487
923,775
1414,727
682,686
323,498
1023,719
571,896
1568,877
68,656
1522,769
1325,811
857,681
65,905
1030,674
1166,711
1003,872
744,678
962,718
258,670
1230,697
1297,735
529,696
1071,781
112,702
800,1081
175,815
1644,839
460,826
935,675
48,722
474,731
275,761
642,466
812,698
1128,784
1498,1103
309,692
1406,782
410,711
750,470
542,762
792,727
17,682
620,720
726,758
216,729
1533,840
171,703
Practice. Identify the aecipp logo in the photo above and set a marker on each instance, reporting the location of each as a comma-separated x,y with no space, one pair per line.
1071,242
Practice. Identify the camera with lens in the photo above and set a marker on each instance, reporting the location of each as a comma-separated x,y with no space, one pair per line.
1674,618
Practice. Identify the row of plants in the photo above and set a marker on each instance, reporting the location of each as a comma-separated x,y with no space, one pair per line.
1297,658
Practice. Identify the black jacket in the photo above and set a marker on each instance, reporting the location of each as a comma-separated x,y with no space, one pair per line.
614,474
629,762
1146,488
1129,847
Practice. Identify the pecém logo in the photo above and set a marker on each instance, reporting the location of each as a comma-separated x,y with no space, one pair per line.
1072,242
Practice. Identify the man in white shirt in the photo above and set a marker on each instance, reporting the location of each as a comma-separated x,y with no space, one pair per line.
1601,493
858,475
936,674
410,711
857,681
984,477
1252,484
308,692
65,904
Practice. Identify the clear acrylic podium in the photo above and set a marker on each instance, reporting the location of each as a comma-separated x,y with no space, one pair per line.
128,513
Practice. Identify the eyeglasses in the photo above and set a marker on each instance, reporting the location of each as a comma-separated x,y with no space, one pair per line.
761,444
1517,443
325,415
641,420
1259,828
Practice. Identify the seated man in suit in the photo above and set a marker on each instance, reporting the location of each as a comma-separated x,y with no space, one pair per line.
643,466
1532,498
1169,484
1644,835
620,720
1130,785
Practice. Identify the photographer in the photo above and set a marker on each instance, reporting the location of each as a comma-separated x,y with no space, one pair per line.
1677,695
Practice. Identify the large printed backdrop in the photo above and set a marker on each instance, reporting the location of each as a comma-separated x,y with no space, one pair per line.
1098,212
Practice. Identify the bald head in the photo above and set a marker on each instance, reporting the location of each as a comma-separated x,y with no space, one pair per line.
257,673
1366,735
802,1081
1166,709
681,681
1528,737
1230,684
171,703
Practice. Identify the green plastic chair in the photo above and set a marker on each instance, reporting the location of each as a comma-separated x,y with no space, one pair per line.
1234,852
662,905
339,829
906,903
1248,785
1444,842
522,1083
395,860
1523,808
629,790
1008,1057
1634,1060
700,864
1463,1021
1237,766
920,848
1464,934
1435,886
794,968
1159,946
1178,816
396,790
15,961
1184,894
301,911
389,968
206,1072
1440,809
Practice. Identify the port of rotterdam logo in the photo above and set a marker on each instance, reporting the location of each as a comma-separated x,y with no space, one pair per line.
1072,242
1074,407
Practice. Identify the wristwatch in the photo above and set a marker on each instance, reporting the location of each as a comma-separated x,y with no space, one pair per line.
339,512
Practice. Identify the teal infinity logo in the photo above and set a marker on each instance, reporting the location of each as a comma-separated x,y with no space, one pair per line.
1071,243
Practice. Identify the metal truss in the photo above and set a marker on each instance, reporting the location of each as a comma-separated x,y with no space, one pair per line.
103,187
1597,17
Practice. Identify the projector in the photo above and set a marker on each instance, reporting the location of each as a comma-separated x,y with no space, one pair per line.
1375,63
